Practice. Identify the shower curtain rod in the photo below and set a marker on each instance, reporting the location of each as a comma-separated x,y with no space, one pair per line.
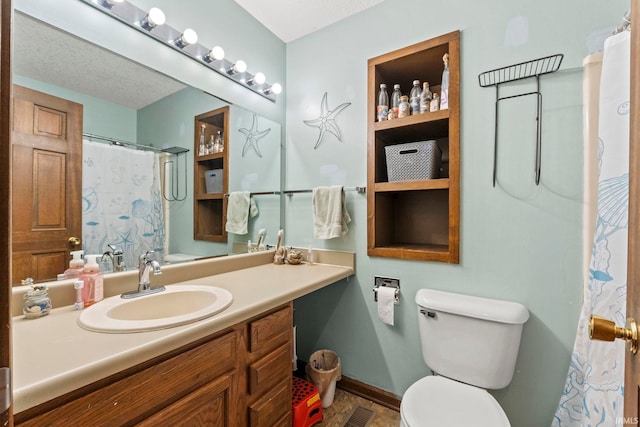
120,142
625,24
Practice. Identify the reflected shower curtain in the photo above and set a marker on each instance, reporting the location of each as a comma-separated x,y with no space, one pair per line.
593,392
121,201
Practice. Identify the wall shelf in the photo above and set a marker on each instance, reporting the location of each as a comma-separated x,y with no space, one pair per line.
417,220
210,209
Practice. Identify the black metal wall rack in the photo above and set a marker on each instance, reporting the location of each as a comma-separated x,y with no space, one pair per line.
512,73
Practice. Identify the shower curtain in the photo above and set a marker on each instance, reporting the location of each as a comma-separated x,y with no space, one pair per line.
593,392
121,201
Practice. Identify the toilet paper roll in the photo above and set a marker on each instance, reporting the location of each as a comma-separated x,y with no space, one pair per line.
386,302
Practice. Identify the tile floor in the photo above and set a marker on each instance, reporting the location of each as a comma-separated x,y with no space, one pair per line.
343,405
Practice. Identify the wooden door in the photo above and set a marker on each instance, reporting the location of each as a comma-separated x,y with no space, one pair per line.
47,182
632,362
6,12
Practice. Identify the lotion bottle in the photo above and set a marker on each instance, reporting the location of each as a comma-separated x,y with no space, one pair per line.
76,266
93,289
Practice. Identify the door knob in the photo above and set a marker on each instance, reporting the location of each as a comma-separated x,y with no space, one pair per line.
74,241
605,330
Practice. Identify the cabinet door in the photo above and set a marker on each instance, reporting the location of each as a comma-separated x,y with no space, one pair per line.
207,406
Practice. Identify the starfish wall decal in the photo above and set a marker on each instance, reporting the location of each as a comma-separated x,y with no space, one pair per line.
253,136
327,120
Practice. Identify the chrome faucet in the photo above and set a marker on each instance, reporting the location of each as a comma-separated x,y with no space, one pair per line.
146,264
116,256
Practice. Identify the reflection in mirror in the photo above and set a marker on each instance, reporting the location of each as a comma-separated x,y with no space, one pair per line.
124,101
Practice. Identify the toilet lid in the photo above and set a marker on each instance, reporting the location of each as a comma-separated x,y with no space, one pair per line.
439,401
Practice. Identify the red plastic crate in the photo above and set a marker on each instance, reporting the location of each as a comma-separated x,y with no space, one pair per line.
307,406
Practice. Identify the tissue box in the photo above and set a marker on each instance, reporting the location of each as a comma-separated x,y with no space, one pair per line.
413,161
213,180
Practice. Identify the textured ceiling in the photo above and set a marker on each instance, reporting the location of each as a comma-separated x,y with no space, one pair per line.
292,19
47,54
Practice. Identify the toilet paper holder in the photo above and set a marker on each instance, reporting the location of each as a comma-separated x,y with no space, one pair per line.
389,283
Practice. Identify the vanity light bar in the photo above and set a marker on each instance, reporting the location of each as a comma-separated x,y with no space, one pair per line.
213,59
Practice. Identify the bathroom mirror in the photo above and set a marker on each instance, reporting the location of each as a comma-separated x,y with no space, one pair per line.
126,101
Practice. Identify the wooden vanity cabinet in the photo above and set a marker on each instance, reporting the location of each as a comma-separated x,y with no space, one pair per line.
241,376
161,385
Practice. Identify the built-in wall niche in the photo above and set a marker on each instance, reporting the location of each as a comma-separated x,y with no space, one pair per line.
417,219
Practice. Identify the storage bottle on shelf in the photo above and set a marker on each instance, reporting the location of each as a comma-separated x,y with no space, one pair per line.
425,98
404,109
383,103
220,142
202,148
414,98
395,99
444,91
435,103
211,149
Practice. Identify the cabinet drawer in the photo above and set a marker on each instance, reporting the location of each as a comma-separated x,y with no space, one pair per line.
270,370
270,331
147,391
285,421
272,407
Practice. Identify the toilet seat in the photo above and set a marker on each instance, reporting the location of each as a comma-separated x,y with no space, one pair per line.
439,401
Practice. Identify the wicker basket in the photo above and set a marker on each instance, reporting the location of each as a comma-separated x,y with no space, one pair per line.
413,161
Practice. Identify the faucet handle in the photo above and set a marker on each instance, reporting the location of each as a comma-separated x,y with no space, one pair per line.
115,250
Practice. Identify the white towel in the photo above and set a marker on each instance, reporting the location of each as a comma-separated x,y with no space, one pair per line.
330,216
241,205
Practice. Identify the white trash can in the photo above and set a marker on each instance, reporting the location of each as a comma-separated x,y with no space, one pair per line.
323,371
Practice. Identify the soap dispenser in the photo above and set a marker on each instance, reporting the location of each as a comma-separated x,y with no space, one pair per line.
76,265
93,289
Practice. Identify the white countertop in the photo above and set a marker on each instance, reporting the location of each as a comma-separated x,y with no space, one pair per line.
52,355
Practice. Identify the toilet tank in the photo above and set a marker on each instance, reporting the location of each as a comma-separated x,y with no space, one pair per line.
470,339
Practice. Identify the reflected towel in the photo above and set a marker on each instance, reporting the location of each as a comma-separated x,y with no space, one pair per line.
330,216
241,205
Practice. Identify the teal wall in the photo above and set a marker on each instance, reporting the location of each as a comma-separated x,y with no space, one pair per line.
99,117
518,242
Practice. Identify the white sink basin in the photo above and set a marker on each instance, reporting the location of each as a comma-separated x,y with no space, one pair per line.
177,305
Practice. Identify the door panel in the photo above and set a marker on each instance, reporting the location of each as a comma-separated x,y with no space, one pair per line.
46,189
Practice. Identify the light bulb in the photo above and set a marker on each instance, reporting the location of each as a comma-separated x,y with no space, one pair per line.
154,18
240,66
259,78
188,37
217,54
275,88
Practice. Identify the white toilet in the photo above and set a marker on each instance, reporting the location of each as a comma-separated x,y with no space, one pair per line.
471,344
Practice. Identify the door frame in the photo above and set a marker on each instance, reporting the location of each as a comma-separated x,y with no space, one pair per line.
632,362
6,20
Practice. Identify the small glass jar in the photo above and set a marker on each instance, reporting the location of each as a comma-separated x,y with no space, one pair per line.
403,107
36,302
